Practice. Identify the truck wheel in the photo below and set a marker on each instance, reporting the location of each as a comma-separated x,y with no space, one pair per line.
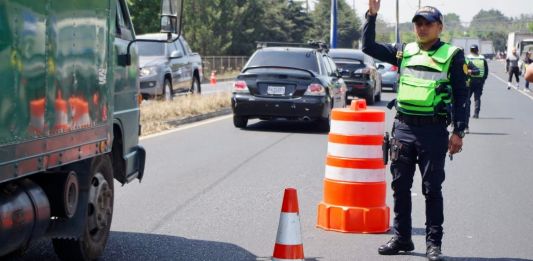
168,94
195,86
99,215
240,121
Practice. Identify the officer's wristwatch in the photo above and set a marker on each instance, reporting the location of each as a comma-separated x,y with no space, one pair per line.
461,134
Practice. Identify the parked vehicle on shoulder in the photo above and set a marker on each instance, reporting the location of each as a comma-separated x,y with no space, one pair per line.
389,75
292,83
360,74
167,68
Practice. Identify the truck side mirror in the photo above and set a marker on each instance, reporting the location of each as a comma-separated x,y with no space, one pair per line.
176,54
171,12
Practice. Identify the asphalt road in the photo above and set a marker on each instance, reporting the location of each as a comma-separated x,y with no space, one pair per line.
214,192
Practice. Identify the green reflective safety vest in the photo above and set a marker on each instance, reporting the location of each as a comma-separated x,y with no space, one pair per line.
424,84
479,62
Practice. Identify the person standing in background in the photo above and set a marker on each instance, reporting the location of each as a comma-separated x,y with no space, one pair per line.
512,68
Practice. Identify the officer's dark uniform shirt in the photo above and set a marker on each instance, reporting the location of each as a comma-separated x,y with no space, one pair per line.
387,53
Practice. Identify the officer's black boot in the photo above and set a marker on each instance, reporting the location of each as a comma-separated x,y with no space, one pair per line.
395,245
434,253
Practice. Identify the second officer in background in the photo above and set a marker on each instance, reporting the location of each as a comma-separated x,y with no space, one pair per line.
477,81
432,93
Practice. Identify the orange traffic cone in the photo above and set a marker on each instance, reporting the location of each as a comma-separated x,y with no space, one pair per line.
213,78
289,239
354,184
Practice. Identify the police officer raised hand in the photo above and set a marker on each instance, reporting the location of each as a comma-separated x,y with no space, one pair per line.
373,6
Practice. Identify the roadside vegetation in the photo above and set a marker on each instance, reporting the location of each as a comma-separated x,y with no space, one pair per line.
156,116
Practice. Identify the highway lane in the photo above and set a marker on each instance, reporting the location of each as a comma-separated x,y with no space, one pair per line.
214,192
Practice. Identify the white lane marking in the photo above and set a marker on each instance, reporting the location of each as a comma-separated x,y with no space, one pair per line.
355,175
289,229
186,126
504,81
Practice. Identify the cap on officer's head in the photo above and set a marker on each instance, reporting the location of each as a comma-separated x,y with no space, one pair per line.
429,13
474,48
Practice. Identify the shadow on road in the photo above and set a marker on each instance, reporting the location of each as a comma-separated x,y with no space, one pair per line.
495,118
488,133
486,259
139,246
449,258
287,127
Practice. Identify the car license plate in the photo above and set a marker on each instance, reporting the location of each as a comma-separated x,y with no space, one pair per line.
276,90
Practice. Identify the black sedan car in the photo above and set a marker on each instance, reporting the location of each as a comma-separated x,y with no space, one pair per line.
292,83
360,73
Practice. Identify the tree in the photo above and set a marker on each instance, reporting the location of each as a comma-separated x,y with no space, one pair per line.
530,27
349,25
145,15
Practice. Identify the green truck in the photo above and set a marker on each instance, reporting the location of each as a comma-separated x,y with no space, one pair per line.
69,119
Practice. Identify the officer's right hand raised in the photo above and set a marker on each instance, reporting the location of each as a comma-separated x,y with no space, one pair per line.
373,6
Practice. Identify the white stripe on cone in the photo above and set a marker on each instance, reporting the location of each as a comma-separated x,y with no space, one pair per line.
357,128
355,175
289,229
355,151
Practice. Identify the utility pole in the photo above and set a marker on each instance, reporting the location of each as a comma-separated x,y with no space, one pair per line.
333,29
397,21
419,4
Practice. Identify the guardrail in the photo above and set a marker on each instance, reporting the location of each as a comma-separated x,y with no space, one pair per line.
226,67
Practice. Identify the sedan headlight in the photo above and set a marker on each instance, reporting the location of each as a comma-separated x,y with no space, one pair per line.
148,71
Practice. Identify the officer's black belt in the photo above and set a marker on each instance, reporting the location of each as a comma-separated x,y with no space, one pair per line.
421,120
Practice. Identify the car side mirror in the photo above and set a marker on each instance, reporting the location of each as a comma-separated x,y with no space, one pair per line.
176,54
171,12
381,66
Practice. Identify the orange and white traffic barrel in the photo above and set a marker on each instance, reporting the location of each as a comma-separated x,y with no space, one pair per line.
79,109
61,120
37,122
289,238
354,183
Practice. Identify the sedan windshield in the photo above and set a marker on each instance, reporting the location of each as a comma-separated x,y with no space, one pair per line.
302,60
150,49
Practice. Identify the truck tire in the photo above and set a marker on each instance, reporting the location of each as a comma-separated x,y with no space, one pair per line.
99,215
196,88
240,121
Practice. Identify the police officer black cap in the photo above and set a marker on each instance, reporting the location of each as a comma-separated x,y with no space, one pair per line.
474,48
429,13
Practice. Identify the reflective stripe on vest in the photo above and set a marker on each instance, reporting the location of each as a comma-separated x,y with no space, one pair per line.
479,62
424,87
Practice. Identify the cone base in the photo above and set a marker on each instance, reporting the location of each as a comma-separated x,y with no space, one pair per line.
353,219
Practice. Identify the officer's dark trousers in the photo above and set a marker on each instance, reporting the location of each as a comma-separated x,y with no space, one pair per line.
426,146
476,89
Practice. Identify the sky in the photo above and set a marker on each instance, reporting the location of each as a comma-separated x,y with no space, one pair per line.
466,9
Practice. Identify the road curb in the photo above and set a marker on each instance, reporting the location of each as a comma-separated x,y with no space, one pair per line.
201,117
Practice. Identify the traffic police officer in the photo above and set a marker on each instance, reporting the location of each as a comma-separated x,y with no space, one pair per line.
432,93
476,82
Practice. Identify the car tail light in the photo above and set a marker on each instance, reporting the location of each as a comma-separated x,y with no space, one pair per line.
315,89
394,68
240,87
